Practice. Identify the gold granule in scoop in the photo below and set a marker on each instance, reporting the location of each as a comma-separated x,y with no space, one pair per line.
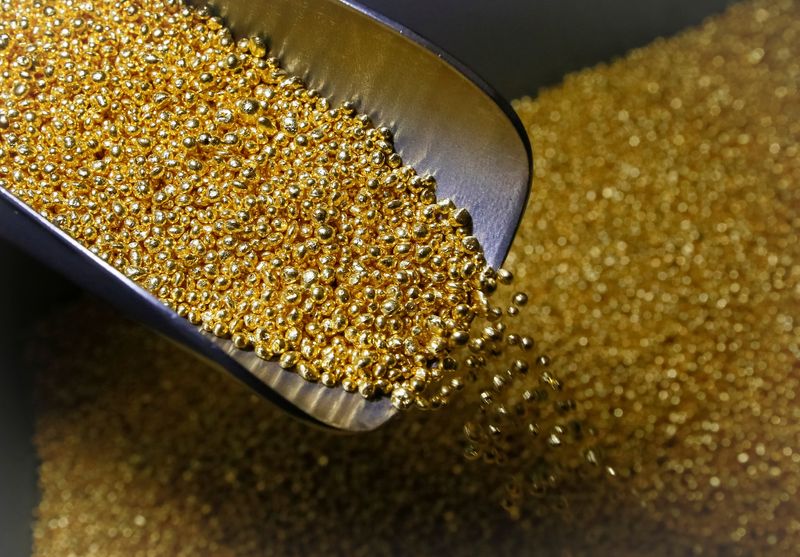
238,196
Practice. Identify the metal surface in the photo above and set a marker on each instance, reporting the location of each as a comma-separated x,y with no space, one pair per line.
446,122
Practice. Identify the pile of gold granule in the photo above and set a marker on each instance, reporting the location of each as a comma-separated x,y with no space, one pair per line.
238,196
661,257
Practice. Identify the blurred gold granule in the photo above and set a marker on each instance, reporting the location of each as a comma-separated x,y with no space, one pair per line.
660,253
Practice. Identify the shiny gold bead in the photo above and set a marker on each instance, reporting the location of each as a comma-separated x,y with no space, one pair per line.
462,217
460,337
288,360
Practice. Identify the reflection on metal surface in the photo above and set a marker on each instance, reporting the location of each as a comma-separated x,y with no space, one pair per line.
446,123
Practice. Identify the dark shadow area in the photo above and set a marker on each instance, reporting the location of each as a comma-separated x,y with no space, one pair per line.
521,46
29,291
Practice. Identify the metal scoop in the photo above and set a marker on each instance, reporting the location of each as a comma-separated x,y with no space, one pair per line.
446,121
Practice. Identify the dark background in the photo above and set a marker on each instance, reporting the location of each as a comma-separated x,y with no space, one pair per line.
518,46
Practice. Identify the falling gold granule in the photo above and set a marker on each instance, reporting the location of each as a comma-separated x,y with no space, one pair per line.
661,259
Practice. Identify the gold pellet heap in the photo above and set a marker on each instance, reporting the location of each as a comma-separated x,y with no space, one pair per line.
660,254
238,196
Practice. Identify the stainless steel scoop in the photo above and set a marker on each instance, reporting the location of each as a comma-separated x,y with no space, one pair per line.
447,122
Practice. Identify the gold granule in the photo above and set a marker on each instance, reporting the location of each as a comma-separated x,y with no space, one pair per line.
661,262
